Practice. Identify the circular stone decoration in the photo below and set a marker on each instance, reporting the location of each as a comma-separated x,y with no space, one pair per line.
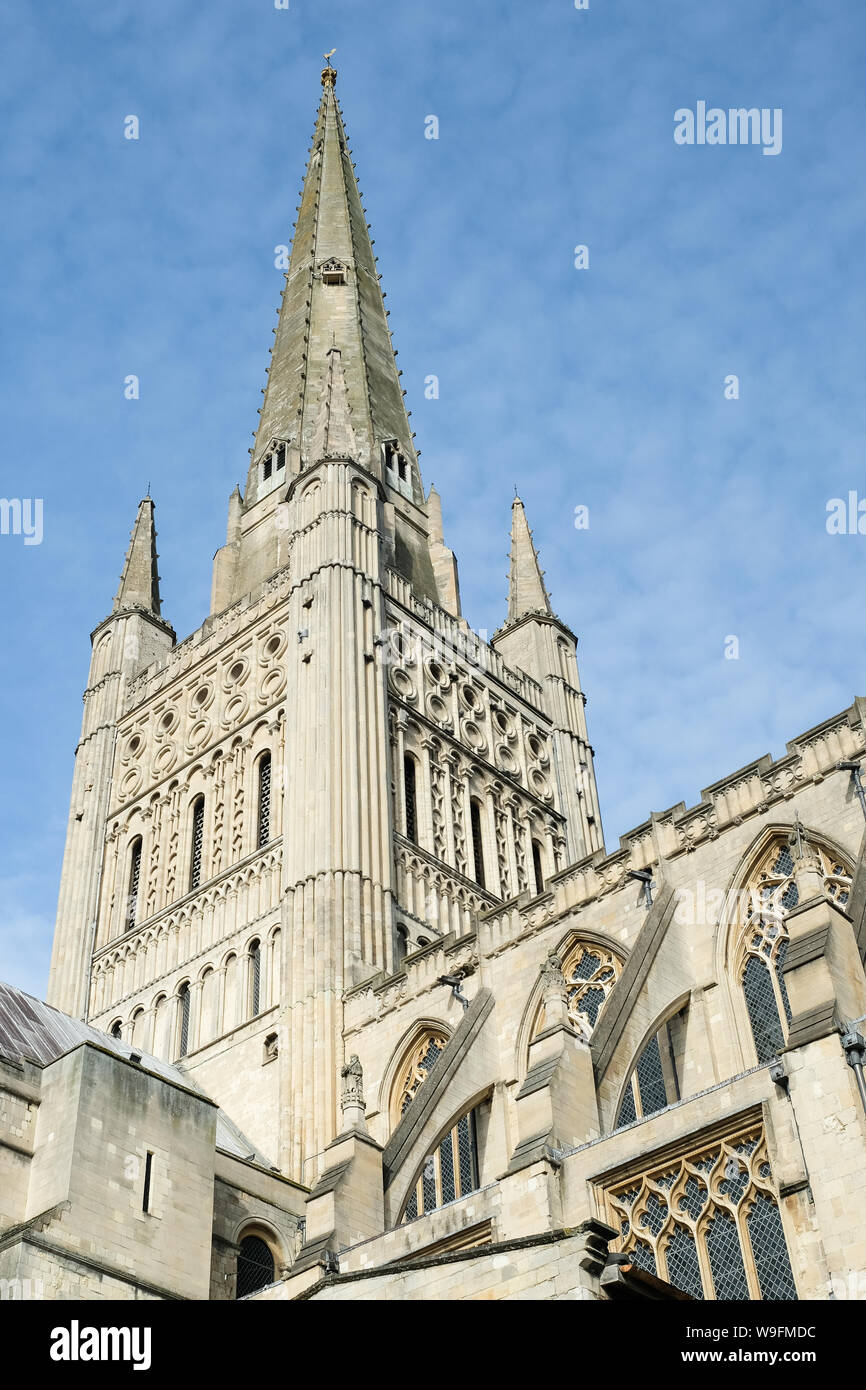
236,672
401,682
539,784
470,697
274,646
235,710
130,784
272,684
437,707
437,674
134,747
537,748
473,735
168,721
165,758
202,698
198,733
503,722
506,759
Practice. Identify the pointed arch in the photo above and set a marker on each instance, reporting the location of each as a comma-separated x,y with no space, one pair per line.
752,936
406,1056
572,948
654,1075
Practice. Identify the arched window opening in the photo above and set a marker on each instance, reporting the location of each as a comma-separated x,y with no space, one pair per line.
655,1081
136,1028
409,794
416,1067
264,828
132,883
197,842
116,1029
255,1266
537,863
183,1003
477,842
450,1172
274,966
402,946
255,965
762,945
708,1222
591,972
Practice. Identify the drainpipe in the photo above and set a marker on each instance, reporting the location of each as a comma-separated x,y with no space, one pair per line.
854,1047
854,769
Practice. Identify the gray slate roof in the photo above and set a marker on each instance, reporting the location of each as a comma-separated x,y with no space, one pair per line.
35,1031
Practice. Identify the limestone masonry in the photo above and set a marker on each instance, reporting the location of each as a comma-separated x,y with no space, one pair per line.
348,998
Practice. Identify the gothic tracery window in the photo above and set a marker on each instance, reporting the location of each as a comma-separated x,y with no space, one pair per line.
708,1223
762,945
591,972
415,1069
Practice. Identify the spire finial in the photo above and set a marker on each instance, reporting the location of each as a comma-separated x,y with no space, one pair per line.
329,74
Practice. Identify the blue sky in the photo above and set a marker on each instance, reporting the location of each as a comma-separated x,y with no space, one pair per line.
601,387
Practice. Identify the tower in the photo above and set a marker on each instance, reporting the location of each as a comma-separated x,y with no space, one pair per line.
333,769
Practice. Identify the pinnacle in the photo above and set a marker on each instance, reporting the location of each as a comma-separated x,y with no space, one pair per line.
526,589
139,582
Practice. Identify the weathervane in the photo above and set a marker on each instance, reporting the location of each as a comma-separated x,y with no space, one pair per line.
329,74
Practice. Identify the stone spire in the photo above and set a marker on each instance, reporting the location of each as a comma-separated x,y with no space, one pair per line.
333,436
526,591
332,294
139,582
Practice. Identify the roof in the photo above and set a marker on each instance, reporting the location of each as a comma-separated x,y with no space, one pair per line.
35,1031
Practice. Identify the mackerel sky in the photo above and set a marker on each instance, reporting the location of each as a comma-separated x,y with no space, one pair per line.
601,387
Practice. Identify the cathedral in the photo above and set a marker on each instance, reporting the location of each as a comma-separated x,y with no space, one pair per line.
348,997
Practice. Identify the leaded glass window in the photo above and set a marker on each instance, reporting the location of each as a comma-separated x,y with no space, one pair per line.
709,1222
654,1083
763,936
134,877
264,827
255,1266
451,1171
197,842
